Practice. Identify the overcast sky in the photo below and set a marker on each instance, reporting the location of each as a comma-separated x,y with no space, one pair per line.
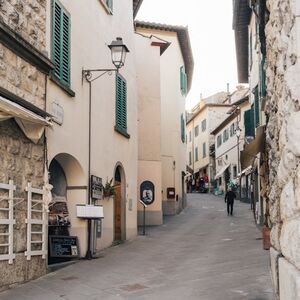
212,39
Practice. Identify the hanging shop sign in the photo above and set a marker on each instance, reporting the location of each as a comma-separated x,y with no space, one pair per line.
63,246
87,211
96,187
147,192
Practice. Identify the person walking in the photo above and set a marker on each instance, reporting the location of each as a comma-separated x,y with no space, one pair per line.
229,198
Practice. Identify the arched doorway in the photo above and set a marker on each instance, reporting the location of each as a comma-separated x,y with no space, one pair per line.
69,187
119,205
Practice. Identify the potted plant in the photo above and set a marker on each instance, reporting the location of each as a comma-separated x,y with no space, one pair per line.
108,188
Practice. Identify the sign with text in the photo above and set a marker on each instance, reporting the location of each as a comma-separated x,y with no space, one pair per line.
96,187
63,246
147,192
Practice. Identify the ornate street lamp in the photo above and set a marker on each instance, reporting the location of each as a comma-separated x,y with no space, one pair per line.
118,52
118,56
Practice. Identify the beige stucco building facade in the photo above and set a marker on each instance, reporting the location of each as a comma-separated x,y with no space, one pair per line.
202,121
165,67
99,138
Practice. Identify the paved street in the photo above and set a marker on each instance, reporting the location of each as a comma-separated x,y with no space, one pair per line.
200,254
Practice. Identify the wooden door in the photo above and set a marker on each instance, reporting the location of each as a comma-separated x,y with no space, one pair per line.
118,212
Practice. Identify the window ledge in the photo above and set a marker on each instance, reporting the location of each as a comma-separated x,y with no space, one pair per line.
122,132
62,86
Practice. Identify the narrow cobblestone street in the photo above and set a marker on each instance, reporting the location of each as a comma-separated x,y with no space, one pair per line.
200,254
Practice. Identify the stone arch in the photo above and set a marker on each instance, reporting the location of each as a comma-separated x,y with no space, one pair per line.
70,185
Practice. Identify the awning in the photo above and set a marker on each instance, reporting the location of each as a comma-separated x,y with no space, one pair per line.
246,171
30,123
220,173
248,155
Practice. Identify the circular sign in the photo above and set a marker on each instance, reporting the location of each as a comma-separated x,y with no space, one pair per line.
147,192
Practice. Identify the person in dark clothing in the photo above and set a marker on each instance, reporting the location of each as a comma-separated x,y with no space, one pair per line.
229,198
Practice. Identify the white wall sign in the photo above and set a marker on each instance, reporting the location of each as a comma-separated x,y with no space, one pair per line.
58,113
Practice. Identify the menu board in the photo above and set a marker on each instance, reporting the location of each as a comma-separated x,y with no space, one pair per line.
63,246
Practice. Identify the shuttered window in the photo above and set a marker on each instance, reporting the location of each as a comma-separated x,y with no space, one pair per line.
183,81
61,42
204,150
256,107
249,122
196,154
121,104
262,75
182,128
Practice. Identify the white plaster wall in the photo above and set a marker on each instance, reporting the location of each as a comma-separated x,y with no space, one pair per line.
92,29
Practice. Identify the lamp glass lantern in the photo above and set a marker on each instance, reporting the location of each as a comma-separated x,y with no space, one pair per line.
118,52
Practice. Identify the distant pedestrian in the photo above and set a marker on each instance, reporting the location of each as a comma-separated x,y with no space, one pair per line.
229,198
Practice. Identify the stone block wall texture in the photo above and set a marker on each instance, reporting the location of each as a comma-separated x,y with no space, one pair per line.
283,140
27,18
23,162
20,159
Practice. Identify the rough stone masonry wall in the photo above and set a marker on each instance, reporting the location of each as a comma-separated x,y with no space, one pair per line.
283,139
27,18
20,159
23,162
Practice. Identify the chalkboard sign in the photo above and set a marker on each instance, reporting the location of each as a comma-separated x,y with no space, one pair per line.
63,246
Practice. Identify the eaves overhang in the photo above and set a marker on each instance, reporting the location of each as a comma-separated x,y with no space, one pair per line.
241,19
136,6
184,42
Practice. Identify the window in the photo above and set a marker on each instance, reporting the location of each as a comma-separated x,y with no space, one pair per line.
196,154
197,130
190,158
234,171
183,81
204,150
220,180
225,135
232,129
121,105
109,4
182,128
61,42
220,162
249,122
203,124
219,140
190,136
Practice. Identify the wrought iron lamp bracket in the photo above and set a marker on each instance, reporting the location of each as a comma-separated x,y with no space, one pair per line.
92,75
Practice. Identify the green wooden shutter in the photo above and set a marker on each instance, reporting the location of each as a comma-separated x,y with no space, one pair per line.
183,81
61,43
182,128
249,122
256,107
109,4
204,149
196,154
263,90
121,104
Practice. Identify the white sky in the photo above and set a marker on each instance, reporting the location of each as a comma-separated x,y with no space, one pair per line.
212,39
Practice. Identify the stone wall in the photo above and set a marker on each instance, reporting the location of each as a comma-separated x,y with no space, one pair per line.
20,159
283,139
21,78
27,18
23,162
